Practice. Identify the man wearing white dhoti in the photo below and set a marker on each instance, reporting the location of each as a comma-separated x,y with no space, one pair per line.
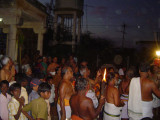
153,75
113,105
140,95
66,90
124,91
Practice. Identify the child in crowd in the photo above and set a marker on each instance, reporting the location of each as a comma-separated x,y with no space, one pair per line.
4,99
50,82
41,77
51,99
38,107
34,85
21,79
16,103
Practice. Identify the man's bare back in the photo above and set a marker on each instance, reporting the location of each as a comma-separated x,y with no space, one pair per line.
81,105
147,88
112,96
142,103
81,109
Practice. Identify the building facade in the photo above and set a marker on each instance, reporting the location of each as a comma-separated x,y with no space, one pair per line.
22,14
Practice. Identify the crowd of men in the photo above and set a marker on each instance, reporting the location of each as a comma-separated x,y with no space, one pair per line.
45,89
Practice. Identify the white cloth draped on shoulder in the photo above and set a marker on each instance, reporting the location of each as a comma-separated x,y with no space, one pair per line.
138,109
90,94
135,100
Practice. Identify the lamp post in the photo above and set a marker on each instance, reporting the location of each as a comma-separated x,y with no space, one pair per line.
158,53
1,19
157,60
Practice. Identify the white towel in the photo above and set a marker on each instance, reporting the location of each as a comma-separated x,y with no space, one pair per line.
90,94
135,100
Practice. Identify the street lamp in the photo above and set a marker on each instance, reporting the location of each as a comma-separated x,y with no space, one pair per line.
158,53
157,60
1,19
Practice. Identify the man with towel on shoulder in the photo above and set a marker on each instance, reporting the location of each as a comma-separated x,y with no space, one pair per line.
82,106
140,102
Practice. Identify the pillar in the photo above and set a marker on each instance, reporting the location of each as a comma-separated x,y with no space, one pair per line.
6,30
74,32
55,27
12,51
40,31
79,29
40,43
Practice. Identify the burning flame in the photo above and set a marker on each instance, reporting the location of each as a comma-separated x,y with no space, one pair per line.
104,75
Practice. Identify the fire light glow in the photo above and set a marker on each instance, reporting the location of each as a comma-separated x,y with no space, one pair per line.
1,19
104,75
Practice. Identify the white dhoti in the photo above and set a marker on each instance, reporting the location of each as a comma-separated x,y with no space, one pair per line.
67,109
124,113
134,115
111,112
147,109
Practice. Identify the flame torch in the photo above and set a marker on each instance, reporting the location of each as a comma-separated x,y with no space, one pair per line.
103,82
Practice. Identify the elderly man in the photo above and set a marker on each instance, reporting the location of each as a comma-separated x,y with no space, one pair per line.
28,75
66,90
8,69
85,73
82,106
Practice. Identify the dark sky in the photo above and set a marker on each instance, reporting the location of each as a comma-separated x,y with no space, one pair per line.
106,17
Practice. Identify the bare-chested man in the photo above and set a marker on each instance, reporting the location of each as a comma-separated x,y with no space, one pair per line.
8,70
85,73
66,90
153,75
113,103
52,67
82,106
140,95
124,91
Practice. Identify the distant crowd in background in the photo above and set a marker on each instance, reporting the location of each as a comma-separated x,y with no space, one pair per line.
43,88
